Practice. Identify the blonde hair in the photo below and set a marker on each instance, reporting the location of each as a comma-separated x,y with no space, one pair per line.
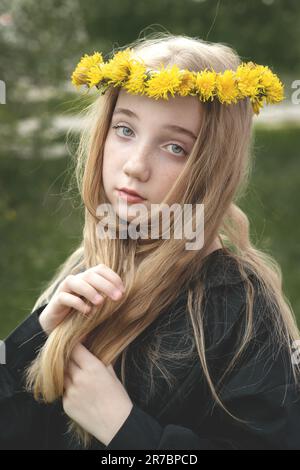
216,174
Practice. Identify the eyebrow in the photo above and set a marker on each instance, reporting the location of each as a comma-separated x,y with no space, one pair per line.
174,127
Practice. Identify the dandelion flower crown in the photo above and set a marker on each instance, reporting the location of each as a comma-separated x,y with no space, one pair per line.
257,82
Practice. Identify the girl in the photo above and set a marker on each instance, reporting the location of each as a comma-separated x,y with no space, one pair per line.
142,343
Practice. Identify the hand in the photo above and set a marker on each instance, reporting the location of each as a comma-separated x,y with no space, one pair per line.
88,285
94,397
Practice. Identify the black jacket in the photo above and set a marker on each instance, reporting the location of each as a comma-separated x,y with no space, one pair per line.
260,389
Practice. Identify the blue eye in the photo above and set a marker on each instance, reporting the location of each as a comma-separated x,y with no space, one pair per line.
178,146
117,127
126,135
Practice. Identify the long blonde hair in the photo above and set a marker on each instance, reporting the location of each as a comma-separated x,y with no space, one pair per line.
216,174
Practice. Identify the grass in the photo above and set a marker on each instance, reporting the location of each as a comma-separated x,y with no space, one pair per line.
39,228
271,203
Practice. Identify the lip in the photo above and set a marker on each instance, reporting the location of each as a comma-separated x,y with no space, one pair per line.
130,197
130,191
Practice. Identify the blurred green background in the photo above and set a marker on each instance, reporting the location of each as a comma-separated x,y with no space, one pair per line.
41,218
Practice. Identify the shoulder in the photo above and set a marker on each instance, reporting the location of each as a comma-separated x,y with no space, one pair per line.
225,290
225,287
220,268
228,310
228,324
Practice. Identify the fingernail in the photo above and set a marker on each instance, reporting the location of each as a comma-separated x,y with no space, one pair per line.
97,298
117,294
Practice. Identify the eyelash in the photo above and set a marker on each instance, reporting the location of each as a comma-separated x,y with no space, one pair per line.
118,126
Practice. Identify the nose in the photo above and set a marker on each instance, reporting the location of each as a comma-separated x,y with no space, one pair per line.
138,163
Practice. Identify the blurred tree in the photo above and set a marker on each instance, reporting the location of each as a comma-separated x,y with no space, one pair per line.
43,41
40,39
266,31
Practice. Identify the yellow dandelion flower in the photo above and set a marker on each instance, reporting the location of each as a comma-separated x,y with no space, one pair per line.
248,80
272,87
164,81
79,76
257,103
187,83
205,82
95,75
136,79
226,87
116,70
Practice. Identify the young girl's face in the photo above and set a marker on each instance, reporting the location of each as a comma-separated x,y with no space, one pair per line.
146,154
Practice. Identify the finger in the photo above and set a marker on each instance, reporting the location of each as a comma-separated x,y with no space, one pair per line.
75,284
72,368
83,357
67,381
109,274
111,370
73,301
99,282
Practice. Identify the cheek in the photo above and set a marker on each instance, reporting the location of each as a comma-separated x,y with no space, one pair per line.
169,173
110,158
112,155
